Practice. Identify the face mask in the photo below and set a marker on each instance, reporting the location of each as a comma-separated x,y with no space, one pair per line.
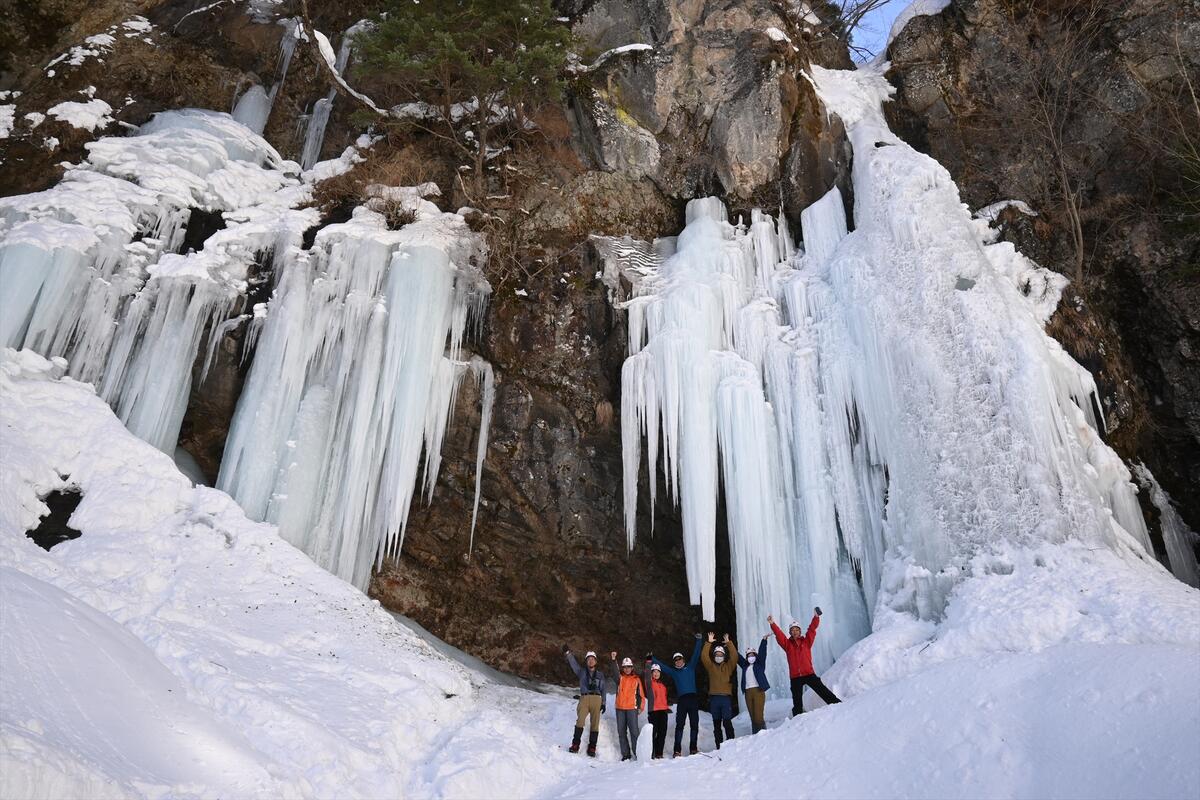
719,659
751,658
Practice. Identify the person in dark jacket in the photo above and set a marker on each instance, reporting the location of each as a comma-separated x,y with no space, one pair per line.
591,699
687,702
799,658
656,706
720,662
755,684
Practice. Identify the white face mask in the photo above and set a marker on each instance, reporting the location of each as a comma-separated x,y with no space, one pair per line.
751,658
718,658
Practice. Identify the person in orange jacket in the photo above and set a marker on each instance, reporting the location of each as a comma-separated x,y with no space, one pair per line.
656,706
799,657
630,698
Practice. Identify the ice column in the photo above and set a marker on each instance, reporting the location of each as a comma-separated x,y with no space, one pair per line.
354,377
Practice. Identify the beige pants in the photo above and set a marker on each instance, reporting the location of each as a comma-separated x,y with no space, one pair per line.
589,704
756,702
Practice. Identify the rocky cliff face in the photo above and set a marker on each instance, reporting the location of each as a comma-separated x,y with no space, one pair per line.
1021,99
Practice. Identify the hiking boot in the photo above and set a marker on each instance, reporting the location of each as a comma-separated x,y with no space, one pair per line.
592,738
677,754
574,748
694,751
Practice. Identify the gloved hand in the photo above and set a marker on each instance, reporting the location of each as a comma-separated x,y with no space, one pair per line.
649,656
698,636
603,709
566,649
818,610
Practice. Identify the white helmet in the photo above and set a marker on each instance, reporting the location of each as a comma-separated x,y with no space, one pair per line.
627,662
677,655
590,654
795,624
719,649
656,668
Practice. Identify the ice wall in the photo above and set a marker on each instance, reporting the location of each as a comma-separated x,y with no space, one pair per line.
355,374
314,138
88,269
878,407
1180,540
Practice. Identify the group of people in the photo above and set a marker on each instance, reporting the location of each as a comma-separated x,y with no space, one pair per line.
646,689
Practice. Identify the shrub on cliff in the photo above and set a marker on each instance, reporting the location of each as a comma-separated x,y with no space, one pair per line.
470,72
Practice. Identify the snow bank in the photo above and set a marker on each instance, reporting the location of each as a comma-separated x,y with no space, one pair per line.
1075,721
178,649
86,116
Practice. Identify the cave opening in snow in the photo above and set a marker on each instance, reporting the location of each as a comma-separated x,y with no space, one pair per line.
55,527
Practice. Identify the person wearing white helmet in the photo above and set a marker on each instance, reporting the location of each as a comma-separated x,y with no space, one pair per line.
591,698
799,657
656,706
630,698
720,662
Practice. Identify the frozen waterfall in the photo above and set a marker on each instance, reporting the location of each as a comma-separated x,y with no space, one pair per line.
877,407
88,269
357,358
355,374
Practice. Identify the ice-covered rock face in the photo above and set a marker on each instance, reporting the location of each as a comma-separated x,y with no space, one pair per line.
88,269
880,407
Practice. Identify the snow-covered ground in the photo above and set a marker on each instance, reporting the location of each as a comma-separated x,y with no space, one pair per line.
177,649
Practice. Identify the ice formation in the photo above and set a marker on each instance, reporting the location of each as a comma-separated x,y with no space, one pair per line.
318,120
355,373
878,407
88,269
1180,540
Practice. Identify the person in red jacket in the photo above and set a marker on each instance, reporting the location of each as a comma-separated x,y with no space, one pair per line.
656,704
799,657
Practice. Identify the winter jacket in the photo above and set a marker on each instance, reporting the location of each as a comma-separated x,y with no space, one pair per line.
799,651
629,691
685,679
656,693
720,676
759,666
590,681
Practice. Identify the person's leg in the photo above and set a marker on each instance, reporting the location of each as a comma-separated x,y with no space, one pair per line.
580,715
680,718
634,730
594,711
756,700
797,696
822,690
658,719
694,721
624,731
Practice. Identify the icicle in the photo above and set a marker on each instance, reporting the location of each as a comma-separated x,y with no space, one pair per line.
1180,540
353,380
253,108
314,138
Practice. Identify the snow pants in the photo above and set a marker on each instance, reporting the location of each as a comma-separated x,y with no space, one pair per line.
687,709
756,704
658,737
627,731
721,708
589,705
814,683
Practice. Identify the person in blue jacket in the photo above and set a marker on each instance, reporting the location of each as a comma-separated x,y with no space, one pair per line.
687,702
754,684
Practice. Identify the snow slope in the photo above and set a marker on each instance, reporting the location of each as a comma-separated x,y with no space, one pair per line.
178,649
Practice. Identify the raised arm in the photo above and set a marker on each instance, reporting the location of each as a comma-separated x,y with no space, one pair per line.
779,637
574,664
811,635
706,655
762,651
696,652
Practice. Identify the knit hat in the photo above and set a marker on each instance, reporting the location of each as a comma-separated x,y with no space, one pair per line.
677,655
590,654
627,662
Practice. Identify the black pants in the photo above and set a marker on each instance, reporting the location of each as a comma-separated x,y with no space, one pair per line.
658,721
814,683
687,708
